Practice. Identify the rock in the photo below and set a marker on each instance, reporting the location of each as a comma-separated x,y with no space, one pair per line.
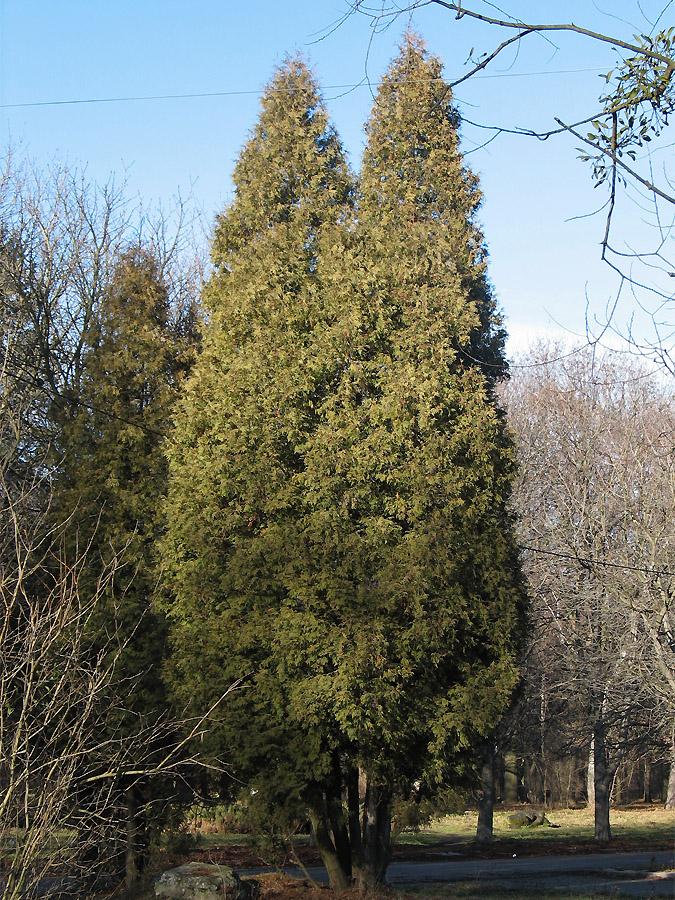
520,820
204,881
529,820
539,819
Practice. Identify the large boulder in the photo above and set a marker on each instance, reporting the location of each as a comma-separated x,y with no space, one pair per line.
520,820
204,881
529,820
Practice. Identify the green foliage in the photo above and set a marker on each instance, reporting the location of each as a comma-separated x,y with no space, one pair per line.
338,535
176,842
636,107
234,506
113,471
420,203
418,812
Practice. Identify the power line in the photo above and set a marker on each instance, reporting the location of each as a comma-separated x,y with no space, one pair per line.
597,562
244,93
39,383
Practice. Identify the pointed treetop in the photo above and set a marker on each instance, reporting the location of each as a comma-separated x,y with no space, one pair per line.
292,167
415,64
412,131
417,192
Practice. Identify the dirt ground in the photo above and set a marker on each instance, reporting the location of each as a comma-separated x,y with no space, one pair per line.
281,887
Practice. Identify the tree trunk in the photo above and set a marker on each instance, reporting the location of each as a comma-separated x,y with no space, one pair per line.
590,776
354,808
136,849
486,800
534,782
339,825
337,877
131,863
376,837
602,784
670,792
510,777
647,785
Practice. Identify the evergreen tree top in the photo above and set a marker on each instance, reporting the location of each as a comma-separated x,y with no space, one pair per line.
421,201
415,66
412,157
292,168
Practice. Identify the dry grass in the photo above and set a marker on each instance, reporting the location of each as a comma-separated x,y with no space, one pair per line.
639,822
278,887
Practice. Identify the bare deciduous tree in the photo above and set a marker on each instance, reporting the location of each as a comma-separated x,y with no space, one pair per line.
60,237
595,501
66,777
73,783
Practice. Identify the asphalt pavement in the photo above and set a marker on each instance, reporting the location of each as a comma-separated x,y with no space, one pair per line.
641,874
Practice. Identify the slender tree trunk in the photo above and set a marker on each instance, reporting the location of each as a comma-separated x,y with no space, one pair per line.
376,836
132,869
137,837
486,801
338,878
534,783
590,776
336,816
354,807
647,786
510,777
604,773
670,792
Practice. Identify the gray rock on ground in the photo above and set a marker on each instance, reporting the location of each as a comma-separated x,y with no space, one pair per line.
528,820
204,881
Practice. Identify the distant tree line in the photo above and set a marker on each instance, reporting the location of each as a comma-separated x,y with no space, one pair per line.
594,497
267,533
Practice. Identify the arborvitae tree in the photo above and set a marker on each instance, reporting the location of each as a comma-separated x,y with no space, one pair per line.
338,525
409,473
236,498
419,203
111,482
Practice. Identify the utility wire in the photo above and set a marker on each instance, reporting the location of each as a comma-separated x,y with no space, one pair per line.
39,383
207,94
597,562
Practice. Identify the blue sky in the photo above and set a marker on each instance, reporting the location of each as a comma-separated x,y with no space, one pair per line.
545,268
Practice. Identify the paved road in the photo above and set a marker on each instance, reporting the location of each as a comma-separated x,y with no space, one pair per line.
615,874
627,874
618,874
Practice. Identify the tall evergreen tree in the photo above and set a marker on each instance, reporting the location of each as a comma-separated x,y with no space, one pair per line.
419,204
236,497
111,482
409,473
338,522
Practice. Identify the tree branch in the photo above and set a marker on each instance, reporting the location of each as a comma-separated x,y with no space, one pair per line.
615,160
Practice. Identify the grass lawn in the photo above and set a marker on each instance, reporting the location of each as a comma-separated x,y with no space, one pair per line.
640,826
640,823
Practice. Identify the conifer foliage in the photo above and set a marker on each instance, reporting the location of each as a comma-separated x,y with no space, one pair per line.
338,531
109,489
114,470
